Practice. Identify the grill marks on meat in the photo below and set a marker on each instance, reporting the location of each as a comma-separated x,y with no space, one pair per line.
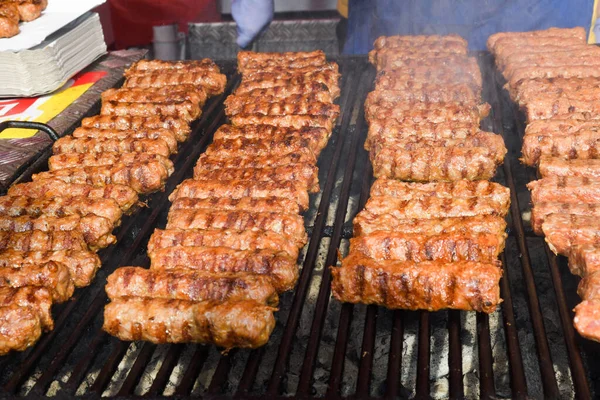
69,160
70,145
237,189
279,266
230,324
213,83
185,110
258,147
123,195
248,60
189,285
265,204
143,177
36,240
584,168
163,134
429,93
463,285
177,126
424,112
21,326
164,95
37,299
563,231
466,72
235,239
583,145
144,66
295,105
53,276
264,80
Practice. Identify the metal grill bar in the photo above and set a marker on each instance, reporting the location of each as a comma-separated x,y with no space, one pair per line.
455,359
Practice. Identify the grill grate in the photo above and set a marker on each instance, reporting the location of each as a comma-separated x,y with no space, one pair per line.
321,348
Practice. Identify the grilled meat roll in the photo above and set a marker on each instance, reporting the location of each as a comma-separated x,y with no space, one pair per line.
405,41
435,207
37,299
391,61
305,174
177,126
437,163
311,91
21,326
14,206
561,127
69,144
142,67
212,82
42,241
547,107
189,285
445,248
238,240
82,264
367,223
456,189
185,110
403,79
257,147
278,266
428,93
230,324
288,225
249,60
9,20
571,71
564,189
584,260
163,134
52,275
585,168
584,145
70,160
123,195
387,59
285,121
96,230
143,177
262,204
519,38
236,189
383,130
289,106
218,161
264,80
167,94
586,318
314,138
429,285
425,112
541,210
565,231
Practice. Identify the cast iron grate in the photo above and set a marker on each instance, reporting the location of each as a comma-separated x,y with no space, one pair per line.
320,348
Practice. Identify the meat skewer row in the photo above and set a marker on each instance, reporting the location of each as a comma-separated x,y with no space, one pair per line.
269,80
584,145
417,112
556,34
294,106
565,231
429,93
548,107
143,177
286,72
177,126
512,70
565,189
52,276
563,57
238,240
123,195
189,285
403,41
555,167
561,127
245,324
577,88
572,71
429,52
278,266
248,60
82,264
311,90
96,230
257,147
406,78
541,210
389,61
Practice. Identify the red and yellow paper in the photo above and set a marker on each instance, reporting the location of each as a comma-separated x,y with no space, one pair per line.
44,108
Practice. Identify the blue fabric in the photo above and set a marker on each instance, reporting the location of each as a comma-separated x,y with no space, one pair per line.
251,17
475,20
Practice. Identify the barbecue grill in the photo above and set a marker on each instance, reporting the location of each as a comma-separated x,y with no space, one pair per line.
321,348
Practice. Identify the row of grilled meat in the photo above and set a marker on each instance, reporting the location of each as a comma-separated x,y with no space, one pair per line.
427,245
51,228
234,230
553,76
14,11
